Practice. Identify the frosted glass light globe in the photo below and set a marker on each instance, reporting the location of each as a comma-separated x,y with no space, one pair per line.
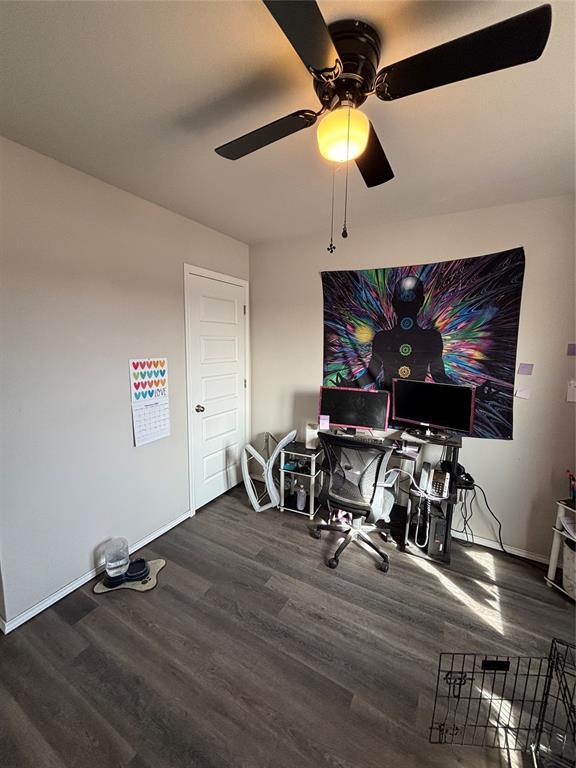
343,134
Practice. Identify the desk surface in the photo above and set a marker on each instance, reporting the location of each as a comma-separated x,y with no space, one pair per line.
299,449
393,438
452,441
364,438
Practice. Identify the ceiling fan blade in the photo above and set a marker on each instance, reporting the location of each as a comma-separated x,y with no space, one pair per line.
373,163
506,44
304,26
268,134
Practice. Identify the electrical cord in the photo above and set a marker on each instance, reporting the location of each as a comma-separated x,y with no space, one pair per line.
466,513
494,516
412,480
471,508
467,516
423,544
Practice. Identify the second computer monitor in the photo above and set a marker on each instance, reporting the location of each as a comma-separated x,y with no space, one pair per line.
355,408
443,406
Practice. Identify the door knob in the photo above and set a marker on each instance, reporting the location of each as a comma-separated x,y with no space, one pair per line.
200,409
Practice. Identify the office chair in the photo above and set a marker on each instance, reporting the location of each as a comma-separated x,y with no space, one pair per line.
355,483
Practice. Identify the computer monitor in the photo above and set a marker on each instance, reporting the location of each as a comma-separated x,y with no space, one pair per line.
443,406
355,408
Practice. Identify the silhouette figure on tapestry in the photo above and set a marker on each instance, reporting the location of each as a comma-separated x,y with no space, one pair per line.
405,351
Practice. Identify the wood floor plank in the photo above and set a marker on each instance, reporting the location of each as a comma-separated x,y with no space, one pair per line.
54,637
67,721
251,653
237,639
194,715
352,607
21,744
78,605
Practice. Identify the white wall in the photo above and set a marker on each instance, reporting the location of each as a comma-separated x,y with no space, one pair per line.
91,276
522,477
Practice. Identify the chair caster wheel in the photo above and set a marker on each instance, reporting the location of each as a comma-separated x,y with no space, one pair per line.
333,562
384,566
315,534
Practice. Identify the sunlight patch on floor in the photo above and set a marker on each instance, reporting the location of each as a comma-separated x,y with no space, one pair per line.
486,561
505,723
491,615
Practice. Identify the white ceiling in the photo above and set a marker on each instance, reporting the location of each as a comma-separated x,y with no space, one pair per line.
139,94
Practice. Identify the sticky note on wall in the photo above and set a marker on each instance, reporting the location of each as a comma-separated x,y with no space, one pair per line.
526,369
571,349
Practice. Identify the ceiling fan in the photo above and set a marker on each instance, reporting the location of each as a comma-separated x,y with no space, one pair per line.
343,61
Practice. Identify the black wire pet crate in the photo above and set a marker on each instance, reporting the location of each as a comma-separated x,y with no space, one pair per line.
511,703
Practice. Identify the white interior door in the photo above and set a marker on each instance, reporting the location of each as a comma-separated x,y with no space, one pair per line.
216,345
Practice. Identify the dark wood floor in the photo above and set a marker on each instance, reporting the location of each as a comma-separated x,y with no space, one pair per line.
252,653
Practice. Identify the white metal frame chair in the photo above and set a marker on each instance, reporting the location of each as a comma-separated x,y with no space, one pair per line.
249,453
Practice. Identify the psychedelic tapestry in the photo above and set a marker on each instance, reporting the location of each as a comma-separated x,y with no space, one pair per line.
448,322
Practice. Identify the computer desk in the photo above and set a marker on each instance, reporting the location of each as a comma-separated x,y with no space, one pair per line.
452,444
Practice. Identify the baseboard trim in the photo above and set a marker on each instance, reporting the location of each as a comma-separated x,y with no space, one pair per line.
491,544
8,626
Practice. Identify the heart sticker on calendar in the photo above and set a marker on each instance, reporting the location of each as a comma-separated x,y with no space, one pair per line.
137,395
163,372
136,385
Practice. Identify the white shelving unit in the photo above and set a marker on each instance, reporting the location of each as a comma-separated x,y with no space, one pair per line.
564,508
298,451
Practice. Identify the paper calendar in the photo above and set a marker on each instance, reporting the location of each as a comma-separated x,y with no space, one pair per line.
150,403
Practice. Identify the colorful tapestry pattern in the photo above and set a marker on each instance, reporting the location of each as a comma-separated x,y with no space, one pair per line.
450,321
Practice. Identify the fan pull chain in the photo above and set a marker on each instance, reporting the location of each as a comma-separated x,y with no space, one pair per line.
331,248
344,228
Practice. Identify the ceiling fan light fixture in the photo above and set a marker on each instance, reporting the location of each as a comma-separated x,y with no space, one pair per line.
343,134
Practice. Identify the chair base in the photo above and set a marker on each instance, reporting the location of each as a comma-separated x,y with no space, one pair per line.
354,533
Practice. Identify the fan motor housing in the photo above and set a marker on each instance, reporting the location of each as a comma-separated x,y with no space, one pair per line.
358,45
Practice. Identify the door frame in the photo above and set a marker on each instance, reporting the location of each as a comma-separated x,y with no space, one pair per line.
190,269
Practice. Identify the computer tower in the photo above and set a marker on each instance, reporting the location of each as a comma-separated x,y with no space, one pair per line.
437,538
